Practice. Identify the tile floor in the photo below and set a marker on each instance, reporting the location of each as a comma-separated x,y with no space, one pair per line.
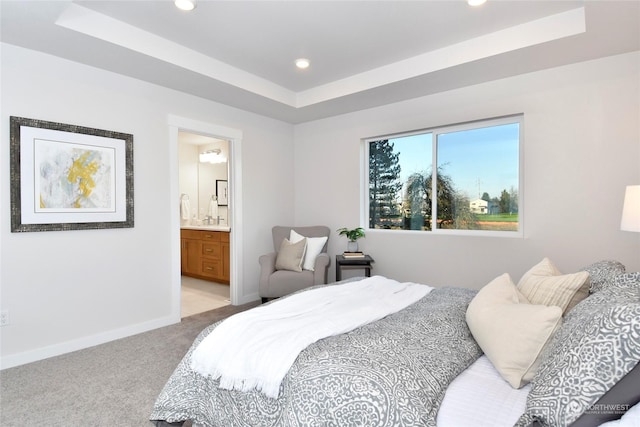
201,295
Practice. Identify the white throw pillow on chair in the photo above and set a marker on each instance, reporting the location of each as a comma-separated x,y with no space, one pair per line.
314,248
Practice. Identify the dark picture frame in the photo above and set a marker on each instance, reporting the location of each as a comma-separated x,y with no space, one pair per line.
222,192
69,177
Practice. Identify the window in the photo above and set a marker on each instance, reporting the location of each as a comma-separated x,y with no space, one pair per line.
472,169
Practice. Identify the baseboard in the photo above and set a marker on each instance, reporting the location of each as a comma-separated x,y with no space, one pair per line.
30,356
245,299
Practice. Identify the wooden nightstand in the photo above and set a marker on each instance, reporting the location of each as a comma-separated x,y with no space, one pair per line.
359,263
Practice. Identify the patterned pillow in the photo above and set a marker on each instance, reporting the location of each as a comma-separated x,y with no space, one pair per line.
627,280
598,344
602,272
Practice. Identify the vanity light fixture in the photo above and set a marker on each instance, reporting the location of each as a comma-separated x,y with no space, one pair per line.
212,156
302,63
476,2
185,4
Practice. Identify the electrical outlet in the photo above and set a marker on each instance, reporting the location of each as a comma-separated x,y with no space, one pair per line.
4,318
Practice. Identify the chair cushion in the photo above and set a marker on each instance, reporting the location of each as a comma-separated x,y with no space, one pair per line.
285,282
290,255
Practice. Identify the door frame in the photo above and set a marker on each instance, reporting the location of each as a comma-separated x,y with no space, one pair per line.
234,136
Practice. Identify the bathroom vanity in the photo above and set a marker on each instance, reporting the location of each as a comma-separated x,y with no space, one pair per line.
204,252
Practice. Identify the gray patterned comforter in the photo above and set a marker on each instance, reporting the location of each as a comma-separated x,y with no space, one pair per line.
393,372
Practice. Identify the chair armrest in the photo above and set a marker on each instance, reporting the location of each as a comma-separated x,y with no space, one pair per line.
320,269
267,266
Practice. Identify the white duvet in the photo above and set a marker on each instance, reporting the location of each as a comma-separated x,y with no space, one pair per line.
256,348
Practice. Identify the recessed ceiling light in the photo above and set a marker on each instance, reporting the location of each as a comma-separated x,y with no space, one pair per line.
185,4
302,63
476,2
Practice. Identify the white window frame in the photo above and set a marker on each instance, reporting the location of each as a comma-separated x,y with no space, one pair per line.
435,131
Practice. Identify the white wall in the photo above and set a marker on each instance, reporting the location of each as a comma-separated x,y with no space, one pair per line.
581,148
68,290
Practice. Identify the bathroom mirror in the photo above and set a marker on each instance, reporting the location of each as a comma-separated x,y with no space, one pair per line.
203,166
209,175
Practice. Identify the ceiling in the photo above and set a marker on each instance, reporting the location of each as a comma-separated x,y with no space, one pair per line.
363,53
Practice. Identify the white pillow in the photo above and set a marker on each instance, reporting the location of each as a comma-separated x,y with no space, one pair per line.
314,247
510,331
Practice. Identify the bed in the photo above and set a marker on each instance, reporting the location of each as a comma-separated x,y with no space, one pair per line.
434,363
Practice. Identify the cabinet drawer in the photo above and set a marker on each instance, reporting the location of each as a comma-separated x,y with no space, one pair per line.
212,250
212,268
189,234
210,236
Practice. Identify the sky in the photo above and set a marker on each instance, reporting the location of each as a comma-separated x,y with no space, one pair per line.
479,160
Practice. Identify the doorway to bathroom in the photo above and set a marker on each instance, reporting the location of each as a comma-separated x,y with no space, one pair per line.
203,168
225,213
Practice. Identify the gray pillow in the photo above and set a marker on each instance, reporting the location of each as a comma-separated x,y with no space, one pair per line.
613,405
627,280
290,255
598,344
602,273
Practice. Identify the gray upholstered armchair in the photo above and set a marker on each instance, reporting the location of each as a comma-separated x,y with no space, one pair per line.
275,281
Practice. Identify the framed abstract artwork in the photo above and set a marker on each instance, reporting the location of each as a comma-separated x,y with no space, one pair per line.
67,177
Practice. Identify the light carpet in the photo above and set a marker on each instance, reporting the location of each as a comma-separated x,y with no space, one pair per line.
112,385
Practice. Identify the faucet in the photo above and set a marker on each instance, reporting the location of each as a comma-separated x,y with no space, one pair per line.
210,220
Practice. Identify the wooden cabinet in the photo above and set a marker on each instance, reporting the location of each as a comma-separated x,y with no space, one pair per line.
226,261
205,254
189,254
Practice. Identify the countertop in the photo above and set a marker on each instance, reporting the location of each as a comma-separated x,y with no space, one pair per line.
223,228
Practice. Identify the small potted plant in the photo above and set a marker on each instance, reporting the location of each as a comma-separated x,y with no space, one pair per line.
353,236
